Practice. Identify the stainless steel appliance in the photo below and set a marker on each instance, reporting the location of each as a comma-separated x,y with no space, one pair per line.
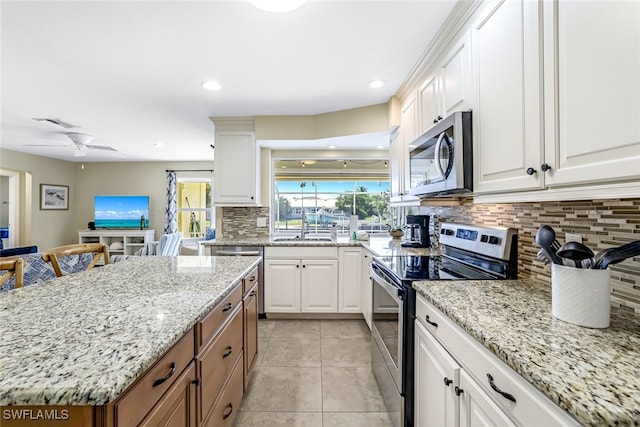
467,253
417,235
246,251
442,161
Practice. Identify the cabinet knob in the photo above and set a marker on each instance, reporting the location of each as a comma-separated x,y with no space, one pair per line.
251,197
447,381
435,120
531,171
458,391
439,118
544,167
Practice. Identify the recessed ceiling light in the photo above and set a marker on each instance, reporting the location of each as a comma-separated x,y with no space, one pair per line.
375,84
277,6
283,167
159,144
211,85
309,162
331,147
380,147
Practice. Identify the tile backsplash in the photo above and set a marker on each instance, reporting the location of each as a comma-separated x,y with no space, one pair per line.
241,222
602,224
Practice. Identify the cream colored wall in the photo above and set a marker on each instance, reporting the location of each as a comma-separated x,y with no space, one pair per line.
48,228
355,121
4,201
135,178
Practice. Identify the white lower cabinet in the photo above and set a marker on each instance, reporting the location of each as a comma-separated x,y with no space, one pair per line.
458,382
301,280
349,283
366,290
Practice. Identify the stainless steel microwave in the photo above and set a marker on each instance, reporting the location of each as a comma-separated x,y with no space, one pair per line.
441,161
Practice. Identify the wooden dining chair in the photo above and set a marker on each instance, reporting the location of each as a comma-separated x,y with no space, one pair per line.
12,266
99,250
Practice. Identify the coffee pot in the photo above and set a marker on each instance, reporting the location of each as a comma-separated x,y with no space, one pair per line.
417,232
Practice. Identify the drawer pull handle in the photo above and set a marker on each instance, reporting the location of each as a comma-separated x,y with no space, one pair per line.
430,322
227,352
227,414
252,294
159,381
497,390
227,307
458,391
447,381
253,279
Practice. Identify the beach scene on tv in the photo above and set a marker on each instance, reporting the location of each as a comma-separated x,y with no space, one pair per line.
121,211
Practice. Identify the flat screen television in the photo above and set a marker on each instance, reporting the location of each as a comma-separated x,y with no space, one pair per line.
121,211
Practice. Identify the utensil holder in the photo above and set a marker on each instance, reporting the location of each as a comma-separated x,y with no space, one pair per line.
581,296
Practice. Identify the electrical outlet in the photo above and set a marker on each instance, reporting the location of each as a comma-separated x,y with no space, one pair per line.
261,222
571,237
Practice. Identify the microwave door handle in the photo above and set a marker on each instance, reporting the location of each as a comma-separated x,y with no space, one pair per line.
436,155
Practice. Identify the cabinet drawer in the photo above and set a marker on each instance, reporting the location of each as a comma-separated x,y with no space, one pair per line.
429,317
248,281
211,324
299,252
228,404
139,400
217,361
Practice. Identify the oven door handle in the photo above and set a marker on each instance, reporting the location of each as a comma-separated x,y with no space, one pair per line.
392,290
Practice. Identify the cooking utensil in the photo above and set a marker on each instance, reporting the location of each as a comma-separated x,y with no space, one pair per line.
544,256
619,254
546,239
575,251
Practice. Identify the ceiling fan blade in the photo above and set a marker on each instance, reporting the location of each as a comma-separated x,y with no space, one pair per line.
47,145
100,147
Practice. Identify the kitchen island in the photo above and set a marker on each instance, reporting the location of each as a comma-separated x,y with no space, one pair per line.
83,339
592,374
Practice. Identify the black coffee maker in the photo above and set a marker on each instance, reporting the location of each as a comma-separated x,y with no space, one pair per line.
416,234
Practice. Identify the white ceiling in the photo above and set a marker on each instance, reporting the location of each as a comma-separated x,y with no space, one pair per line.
129,73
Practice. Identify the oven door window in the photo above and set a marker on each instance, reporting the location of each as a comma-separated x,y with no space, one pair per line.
432,161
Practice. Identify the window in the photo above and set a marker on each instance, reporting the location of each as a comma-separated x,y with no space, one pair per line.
195,210
317,205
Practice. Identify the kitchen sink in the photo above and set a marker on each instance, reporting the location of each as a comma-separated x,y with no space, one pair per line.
298,239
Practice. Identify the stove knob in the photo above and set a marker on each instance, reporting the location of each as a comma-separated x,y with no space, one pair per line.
484,238
446,232
493,240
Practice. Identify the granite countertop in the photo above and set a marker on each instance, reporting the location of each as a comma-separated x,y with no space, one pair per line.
82,339
594,374
378,245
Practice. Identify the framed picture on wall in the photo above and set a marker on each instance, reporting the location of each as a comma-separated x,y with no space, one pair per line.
54,197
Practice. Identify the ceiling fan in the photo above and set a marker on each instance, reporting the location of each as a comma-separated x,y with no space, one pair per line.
80,143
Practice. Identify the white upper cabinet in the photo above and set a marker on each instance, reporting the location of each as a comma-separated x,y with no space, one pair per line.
448,87
236,169
592,91
399,150
507,120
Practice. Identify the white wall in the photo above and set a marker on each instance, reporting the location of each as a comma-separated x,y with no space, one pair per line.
4,201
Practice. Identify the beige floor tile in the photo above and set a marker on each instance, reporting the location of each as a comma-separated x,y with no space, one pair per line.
346,352
288,329
265,328
277,419
344,329
356,419
292,352
284,389
350,390
263,344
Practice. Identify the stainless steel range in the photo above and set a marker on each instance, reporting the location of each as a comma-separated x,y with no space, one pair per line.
468,252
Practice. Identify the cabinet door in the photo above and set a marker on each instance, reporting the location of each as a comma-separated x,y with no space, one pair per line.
319,286
436,375
408,133
430,108
593,110
397,164
235,169
349,299
455,77
507,119
282,286
477,408
250,332
177,408
366,290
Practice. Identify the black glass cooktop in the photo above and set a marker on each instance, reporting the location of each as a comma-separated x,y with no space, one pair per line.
412,268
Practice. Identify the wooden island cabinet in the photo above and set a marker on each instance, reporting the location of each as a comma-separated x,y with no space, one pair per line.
199,381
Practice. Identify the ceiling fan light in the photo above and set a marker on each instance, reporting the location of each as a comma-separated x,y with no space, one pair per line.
80,152
277,6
